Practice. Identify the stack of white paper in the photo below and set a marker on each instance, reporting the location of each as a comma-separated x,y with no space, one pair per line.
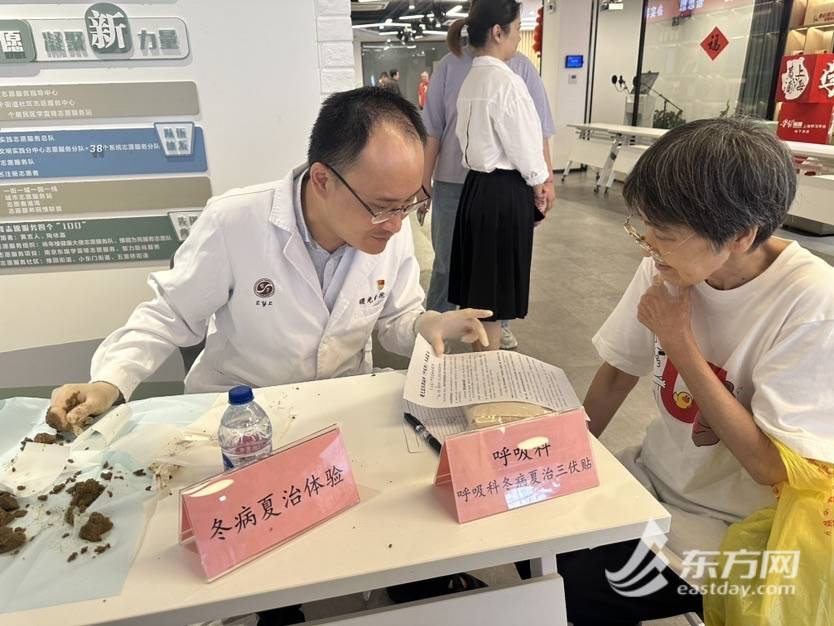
437,388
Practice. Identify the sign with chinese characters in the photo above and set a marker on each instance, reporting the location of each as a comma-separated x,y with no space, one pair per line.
663,10
806,78
104,32
492,470
182,221
41,200
714,43
803,121
107,29
78,101
73,241
794,79
237,516
16,42
176,139
826,81
29,155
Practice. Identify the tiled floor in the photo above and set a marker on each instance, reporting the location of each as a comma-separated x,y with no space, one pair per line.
582,263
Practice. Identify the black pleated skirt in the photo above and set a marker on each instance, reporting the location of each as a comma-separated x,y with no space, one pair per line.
492,245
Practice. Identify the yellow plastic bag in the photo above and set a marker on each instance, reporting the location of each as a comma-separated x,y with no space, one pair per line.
793,543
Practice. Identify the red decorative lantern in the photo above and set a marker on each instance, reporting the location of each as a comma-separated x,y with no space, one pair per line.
537,32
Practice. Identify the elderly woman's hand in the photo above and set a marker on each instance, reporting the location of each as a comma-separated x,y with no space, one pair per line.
667,315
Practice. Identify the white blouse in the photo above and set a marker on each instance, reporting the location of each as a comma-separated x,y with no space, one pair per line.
497,126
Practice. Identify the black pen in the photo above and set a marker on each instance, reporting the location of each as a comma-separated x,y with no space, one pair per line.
421,430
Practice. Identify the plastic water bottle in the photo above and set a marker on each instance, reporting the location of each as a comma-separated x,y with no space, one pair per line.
245,430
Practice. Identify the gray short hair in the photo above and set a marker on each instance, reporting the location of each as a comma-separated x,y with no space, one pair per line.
718,177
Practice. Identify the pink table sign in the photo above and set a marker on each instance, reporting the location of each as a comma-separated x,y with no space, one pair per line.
236,516
492,470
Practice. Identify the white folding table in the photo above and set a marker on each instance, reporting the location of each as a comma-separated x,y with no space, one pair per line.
400,532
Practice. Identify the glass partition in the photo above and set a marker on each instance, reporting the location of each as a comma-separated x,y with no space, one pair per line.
708,58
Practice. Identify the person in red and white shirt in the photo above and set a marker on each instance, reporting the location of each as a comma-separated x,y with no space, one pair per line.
736,328
422,89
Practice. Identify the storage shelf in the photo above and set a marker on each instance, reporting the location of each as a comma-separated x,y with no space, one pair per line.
821,26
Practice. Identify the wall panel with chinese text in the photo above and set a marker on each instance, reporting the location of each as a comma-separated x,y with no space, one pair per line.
180,84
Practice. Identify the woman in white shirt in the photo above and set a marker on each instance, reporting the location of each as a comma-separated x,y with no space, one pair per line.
501,139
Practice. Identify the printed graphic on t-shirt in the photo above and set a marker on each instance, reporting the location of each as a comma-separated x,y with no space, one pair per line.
672,393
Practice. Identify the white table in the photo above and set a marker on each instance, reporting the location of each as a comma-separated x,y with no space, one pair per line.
824,152
619,143
813,209
626,131
617,153
351,552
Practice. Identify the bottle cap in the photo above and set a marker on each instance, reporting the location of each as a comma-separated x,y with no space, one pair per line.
241,395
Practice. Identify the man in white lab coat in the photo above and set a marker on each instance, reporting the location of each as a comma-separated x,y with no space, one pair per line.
287,280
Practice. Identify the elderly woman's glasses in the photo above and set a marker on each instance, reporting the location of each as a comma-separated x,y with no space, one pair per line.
648,248
378,217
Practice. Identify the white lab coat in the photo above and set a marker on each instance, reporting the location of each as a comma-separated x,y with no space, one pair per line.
243,237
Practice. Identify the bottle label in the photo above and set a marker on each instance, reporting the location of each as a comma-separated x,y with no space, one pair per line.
239,458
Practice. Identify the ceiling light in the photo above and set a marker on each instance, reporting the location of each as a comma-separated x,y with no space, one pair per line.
356,26
377,25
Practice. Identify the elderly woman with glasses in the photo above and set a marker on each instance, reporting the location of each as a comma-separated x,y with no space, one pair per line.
735,326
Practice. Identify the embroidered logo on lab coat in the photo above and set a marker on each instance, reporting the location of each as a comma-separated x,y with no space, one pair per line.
372,299
264,288
378,297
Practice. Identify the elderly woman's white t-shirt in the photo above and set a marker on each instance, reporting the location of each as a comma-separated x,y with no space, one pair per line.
771,341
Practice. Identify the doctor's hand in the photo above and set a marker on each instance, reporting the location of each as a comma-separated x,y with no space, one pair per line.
73,405
463,324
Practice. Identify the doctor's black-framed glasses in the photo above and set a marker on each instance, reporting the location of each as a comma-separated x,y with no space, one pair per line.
380,216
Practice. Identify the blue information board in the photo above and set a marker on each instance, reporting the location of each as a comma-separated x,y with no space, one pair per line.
29,155
574,60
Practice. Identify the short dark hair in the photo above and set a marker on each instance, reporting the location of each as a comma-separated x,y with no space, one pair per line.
346,120
393,72
718,177
483,15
